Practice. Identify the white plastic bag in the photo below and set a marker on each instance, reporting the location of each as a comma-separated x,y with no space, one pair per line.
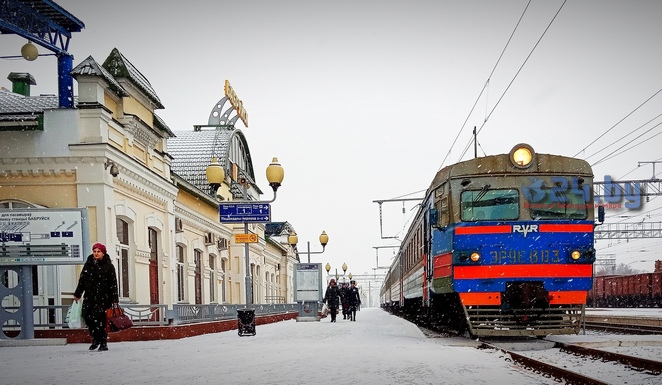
75,315
325,310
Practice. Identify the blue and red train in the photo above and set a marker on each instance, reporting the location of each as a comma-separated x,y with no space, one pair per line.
501,246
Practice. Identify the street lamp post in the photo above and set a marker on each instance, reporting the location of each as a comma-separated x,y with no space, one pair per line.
293,239
216,176
344,270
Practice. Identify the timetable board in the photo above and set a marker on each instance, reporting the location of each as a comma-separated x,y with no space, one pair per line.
308,281
43,236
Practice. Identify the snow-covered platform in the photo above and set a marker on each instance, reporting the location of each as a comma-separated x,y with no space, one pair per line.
379,348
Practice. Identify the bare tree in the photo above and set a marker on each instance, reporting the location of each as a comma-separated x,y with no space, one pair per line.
620,269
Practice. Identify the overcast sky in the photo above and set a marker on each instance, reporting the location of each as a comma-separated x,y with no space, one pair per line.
363,101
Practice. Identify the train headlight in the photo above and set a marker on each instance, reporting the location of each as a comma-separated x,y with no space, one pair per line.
475,257
521,156
575,255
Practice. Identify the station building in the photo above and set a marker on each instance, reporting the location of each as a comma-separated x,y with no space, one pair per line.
144,188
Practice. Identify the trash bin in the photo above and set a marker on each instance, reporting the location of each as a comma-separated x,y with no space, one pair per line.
246,322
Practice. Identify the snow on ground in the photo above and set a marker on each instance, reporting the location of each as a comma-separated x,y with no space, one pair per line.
378,348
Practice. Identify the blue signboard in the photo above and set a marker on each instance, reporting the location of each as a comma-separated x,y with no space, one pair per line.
245,212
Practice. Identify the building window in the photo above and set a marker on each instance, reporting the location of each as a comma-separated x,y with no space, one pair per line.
222,286
153,238
180,273
11,204
197,260
212,278
123,258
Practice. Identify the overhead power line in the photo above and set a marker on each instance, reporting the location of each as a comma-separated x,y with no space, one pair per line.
609,156
484,86
466,148
617,123
618,141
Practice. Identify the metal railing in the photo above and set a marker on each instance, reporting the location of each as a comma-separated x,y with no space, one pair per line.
184,313
274,299
53,316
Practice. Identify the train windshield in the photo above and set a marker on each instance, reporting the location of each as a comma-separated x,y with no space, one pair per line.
557,204
489,205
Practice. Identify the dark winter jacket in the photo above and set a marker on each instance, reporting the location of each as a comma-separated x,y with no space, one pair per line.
331,296
344,295
353,297
99,283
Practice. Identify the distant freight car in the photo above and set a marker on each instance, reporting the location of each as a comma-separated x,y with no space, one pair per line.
636,290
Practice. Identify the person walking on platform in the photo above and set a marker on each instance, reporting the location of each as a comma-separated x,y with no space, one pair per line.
353,299
331,298
99,283
344,294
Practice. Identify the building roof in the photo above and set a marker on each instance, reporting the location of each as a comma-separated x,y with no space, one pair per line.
277,228
90,67
192,151
120,67
161,124
16,104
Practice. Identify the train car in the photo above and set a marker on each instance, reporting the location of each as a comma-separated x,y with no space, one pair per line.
634,290
597,294
500,246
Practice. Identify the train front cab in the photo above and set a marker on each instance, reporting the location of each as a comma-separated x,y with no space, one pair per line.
516,269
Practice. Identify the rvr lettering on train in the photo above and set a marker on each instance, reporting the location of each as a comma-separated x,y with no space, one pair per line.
525,229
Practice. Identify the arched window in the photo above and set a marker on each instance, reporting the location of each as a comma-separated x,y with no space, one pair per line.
153,237
123,258
197,260
181,278
224,267
212,278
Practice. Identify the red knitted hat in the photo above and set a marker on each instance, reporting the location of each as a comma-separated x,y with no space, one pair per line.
99,246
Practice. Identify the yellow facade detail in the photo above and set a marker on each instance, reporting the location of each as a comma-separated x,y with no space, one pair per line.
92,220
133,107
195,204
116,139
31,188
111,104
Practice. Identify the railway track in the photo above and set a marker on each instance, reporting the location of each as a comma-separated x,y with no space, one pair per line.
623,328
574,364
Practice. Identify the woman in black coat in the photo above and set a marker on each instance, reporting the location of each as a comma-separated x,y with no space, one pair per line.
331,298
99,283
354,300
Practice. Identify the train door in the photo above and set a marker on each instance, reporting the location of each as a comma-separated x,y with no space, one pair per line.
427,260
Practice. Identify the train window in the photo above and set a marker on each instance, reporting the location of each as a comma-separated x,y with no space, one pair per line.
559,204
489,205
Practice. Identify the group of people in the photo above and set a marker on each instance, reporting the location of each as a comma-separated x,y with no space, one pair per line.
346,296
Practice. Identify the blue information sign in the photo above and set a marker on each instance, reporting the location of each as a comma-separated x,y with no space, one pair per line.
245,212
